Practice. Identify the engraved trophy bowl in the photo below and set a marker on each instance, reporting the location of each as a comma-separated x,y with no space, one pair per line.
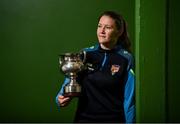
70,65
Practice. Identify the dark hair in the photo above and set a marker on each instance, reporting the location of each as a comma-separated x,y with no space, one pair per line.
121,25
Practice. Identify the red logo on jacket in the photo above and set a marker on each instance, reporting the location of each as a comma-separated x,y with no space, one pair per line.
114,69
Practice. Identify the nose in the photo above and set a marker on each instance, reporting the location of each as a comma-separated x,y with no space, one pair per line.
102,30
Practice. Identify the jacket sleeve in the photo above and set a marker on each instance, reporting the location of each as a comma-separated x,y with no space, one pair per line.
61,92
129,97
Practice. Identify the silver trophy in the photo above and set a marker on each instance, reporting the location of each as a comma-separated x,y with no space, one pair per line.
70,65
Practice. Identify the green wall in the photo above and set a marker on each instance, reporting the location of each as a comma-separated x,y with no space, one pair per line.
33,34
157,60
150,51
173,60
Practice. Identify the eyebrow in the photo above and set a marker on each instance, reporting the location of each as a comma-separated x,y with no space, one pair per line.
104,24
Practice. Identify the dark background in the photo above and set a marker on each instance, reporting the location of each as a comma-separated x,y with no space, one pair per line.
34,32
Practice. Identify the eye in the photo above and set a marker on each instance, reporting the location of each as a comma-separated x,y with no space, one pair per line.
108,27
99,26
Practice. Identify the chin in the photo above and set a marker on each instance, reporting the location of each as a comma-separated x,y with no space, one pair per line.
103,42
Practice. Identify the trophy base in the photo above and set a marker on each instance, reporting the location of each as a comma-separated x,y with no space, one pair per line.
72,90
72,94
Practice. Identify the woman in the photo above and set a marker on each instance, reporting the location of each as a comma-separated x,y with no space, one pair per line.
107,89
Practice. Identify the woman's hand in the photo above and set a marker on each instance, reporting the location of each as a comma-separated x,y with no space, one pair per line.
63,101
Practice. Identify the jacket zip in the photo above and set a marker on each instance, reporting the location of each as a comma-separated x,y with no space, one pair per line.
104,61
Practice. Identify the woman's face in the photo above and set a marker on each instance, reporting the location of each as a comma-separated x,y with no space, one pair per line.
107,32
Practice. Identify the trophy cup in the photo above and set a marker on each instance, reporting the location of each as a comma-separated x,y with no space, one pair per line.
70,65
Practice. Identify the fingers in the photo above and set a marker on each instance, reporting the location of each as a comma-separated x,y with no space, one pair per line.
63,101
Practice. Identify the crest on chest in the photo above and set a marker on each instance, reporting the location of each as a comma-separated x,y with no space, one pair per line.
115,69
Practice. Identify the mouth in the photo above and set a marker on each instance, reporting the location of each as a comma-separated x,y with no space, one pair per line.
102,36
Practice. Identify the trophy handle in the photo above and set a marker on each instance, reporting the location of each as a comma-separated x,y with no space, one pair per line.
83,56
61,59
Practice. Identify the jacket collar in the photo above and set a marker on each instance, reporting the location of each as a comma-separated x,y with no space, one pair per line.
117,48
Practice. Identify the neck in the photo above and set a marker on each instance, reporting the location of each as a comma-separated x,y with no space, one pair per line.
104,47
107,46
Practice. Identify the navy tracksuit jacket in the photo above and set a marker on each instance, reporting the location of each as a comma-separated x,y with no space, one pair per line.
108,88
